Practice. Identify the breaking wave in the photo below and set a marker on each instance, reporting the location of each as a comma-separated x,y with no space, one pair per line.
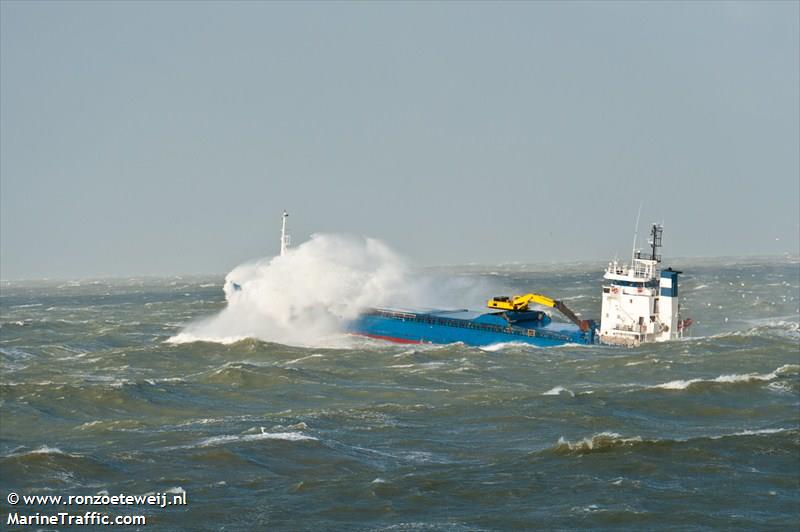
236,438
606,441
558,390
43,450
603,440
786,369
306,294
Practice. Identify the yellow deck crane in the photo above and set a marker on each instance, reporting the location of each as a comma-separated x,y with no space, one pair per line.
521,303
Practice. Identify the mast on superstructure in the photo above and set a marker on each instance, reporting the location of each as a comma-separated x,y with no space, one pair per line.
284,237
655,242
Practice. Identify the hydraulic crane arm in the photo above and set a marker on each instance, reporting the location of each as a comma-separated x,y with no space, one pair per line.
521,303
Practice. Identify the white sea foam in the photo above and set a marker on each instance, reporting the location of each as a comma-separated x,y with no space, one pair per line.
236,438
502,346
786,369
781,387
761,432
602,440
176,490
639,362
609,440
420,367
296,360
89,424
44,449
558,390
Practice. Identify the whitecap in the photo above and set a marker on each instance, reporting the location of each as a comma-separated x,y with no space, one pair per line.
639,362
602,440
303,358
44,449
89,424
235,438
760,432
735,378
500,346
558,390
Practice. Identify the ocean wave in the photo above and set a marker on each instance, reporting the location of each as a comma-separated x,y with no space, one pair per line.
597,442
757,432
781,387
502,346
174,490
606,441
49,384
524,346
225,439
238,438
17,323
189,338
42,450
640,362
296,360
419,366
786,369
768,327
120,425
558,390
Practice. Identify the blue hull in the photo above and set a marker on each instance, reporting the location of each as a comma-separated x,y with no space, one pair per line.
471,328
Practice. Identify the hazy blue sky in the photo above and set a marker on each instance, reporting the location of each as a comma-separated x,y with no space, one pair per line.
155,137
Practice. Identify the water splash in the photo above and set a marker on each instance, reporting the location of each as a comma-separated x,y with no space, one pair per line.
305,295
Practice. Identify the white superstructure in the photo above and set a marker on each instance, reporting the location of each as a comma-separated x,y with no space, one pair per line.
640,301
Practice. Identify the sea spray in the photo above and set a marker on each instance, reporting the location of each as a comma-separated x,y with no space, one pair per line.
307,294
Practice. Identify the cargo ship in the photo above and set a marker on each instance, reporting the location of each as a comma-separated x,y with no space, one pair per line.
639,305
468,327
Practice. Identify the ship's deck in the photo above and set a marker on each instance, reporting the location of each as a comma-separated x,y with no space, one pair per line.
492,318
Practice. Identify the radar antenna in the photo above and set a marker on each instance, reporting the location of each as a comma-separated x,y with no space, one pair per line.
655,242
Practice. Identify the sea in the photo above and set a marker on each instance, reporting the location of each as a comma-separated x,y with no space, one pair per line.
102,396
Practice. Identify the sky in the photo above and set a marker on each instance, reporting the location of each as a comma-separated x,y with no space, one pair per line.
158,138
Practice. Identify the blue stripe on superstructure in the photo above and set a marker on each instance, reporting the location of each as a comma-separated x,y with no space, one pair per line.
670,291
